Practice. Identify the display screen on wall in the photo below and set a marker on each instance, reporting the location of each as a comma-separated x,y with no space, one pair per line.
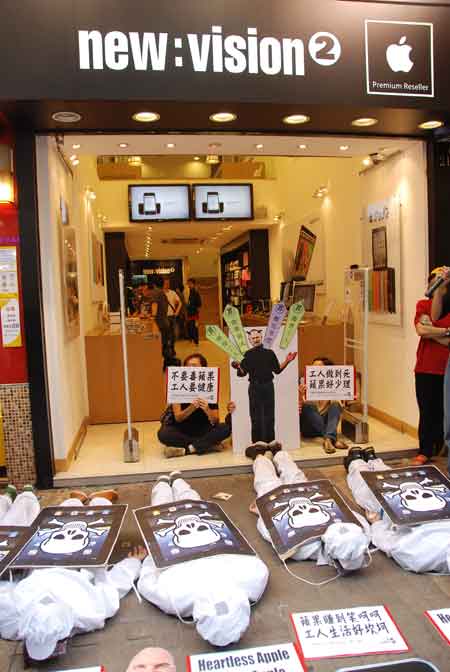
223,201
158,202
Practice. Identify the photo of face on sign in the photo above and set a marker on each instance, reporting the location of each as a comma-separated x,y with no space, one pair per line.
72,537
294,514
187,530
413,495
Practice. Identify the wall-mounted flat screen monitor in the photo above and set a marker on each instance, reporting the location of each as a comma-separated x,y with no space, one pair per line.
158,202
305,293
223,201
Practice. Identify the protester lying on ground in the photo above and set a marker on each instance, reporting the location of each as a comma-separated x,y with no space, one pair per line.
321,418
343,545
18,510
418,548
195,428
49,605
216,591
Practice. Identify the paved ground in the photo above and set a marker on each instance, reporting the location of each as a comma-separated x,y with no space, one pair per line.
140,625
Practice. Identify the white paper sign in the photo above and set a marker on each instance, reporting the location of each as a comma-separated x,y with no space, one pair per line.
259,659
359,631
10,321
187,383
441,621
330,383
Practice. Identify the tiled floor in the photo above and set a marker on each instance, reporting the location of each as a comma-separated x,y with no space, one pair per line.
101,454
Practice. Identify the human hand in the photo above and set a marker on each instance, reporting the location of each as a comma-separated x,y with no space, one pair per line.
231,407
235,365
196,403
203,404
291,356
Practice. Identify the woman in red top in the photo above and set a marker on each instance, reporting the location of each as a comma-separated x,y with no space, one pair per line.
432,355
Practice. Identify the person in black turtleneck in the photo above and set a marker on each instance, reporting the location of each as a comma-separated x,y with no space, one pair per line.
260,364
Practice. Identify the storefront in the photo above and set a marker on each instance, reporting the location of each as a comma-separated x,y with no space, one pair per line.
290,70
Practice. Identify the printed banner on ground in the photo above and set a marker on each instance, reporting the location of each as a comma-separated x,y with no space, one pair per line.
441,621
295,514
411,495
277,657
72,536
12,540
330,383
360,631
188,383
187,530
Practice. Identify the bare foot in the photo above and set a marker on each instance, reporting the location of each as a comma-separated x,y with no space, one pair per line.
253,508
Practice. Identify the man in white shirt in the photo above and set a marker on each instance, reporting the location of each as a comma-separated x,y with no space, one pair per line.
172,311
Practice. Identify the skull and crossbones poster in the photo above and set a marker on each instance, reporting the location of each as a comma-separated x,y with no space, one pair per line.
412,495
187,530
12,540
295,514
69,536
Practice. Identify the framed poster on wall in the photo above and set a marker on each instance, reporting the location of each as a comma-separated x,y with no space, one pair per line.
69,270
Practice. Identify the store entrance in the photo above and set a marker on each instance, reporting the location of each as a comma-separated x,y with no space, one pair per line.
88,230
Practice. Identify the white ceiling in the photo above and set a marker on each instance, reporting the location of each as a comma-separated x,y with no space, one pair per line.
273,145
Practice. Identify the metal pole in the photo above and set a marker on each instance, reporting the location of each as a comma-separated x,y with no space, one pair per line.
125,352
365,340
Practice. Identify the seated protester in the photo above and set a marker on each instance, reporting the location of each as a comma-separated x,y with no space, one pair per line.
194,428
321,418
216,591
49,605
343,545
20,510
419,548
152,659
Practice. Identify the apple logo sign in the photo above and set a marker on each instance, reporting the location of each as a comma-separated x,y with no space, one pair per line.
397,56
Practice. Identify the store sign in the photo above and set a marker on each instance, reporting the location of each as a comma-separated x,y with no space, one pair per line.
9,298
285,52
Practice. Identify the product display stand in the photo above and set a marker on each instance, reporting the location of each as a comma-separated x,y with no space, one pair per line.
356,334
131,436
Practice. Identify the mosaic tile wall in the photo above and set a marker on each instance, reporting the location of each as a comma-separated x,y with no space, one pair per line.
17,431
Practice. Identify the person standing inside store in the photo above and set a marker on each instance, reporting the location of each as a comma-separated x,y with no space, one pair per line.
440,308
160,307
432,356
192,311
321,418
181,317
174,307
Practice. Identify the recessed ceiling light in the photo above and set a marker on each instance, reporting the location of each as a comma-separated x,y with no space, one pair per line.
75,162
214,145
302,146
149,228
66,117
365,121
259,146
296,119
123,145
170,145
73,157
367,161
343,148
222,117
428,125
146,117
196,158
77,146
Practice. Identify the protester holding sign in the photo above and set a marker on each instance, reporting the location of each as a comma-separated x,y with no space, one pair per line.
194,428
321,418
417,548
215,590
342,544
48,605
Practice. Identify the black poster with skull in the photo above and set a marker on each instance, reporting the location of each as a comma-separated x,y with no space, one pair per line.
12,539
187,530
72,536
411,495
298,513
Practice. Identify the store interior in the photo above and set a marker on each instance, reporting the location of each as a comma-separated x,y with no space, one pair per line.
323,183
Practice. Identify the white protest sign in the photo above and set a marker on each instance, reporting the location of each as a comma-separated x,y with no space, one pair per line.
360,631
187,383
330,383
281,657
441,621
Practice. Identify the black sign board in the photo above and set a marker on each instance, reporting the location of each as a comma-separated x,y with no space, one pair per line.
12,540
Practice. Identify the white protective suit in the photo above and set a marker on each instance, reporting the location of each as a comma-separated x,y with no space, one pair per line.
419,548
216,591
21,512
345,543
50,604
